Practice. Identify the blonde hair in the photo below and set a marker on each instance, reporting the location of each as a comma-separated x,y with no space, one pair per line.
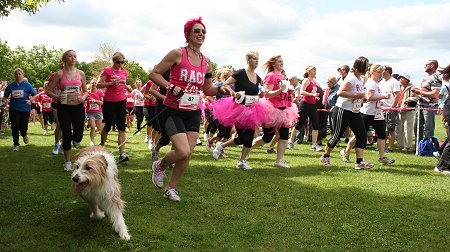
20,70
117,55
309,68
332,79
268,66
63,58
251,54
375,68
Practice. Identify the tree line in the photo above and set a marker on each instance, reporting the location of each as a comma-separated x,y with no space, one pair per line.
39,62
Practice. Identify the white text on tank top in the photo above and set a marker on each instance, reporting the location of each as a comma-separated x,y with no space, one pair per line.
191,97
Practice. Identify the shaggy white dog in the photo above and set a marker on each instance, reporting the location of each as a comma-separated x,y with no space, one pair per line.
94,175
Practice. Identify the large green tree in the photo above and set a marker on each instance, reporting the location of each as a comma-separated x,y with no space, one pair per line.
30,6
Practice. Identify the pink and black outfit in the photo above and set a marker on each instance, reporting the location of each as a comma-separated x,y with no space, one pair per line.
247,112
47,110
183,114
71,117
114,102
308,107
285,115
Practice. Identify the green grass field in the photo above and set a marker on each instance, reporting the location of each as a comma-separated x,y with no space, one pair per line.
402,207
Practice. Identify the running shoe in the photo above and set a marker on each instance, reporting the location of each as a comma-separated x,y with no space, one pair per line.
217,151
291,146
123,157
155,155
325,161
345,157
281,163
16,148
76,145
242,164
270,150
68,166
316,147
158,174
26,140
363,166
386,161
172,194
55,150
209,144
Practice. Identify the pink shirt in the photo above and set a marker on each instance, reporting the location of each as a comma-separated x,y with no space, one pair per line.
145,88
283,99
130,100
190,79
92,106
45,101
115,93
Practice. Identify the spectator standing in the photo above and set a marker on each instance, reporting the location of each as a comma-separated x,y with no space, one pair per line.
407,102
390,87
428,99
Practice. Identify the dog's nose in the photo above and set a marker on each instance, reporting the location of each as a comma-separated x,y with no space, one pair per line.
75,178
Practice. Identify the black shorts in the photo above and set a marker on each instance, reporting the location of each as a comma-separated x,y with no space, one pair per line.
130,111
178,121
149,114
111,109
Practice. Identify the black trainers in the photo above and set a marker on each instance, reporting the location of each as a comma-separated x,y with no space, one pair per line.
123,157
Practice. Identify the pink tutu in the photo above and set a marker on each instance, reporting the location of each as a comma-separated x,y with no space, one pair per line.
287,117
230,113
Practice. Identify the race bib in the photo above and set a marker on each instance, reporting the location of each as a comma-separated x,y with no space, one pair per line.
47,105
251,99
314,90
72,89
93,106
356,105
17,94
379,115
130,100
189,101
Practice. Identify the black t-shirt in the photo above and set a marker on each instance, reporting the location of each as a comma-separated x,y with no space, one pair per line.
244,84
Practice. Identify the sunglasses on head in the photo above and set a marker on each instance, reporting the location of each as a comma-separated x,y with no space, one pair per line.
198,30
120,62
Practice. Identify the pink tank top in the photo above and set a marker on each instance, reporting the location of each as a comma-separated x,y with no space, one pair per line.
70,86
92,106
115,93
190,79
312,88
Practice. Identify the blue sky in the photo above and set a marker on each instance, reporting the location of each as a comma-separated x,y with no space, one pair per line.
325,34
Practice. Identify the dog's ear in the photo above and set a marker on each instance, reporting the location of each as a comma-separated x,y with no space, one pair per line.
101,161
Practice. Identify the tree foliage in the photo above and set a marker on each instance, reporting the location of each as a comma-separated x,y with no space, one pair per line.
30,6
39,62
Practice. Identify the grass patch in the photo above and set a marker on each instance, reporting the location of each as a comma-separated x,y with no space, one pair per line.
402,207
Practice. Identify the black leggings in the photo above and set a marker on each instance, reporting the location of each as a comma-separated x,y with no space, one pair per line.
224,132
344,118
71,120
212,127
111,109
307,110
139,112
48,117
164,139
245,137
378,125
270,132
19,123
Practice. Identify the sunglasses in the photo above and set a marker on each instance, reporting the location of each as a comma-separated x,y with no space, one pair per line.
198,30
120,62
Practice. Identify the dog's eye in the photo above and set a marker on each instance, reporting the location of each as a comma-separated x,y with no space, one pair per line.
88,168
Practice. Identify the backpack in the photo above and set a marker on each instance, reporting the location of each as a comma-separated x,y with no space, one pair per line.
428,145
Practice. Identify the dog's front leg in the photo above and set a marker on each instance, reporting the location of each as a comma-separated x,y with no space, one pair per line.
96,213
119,223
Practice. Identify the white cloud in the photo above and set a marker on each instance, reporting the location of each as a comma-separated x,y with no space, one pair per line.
303,32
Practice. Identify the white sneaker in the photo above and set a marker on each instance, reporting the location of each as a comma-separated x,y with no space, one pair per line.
316,147
92,143
45,132
76,145
217,151
123,157
344,156
205,137
242,164
26,140
147,138
68,166
172,195
16,148
325,161
158,174
55,150
151,145
437,155
291,146
281,163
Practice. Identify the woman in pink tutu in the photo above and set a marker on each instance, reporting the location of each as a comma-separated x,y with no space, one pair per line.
285,115
245,110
